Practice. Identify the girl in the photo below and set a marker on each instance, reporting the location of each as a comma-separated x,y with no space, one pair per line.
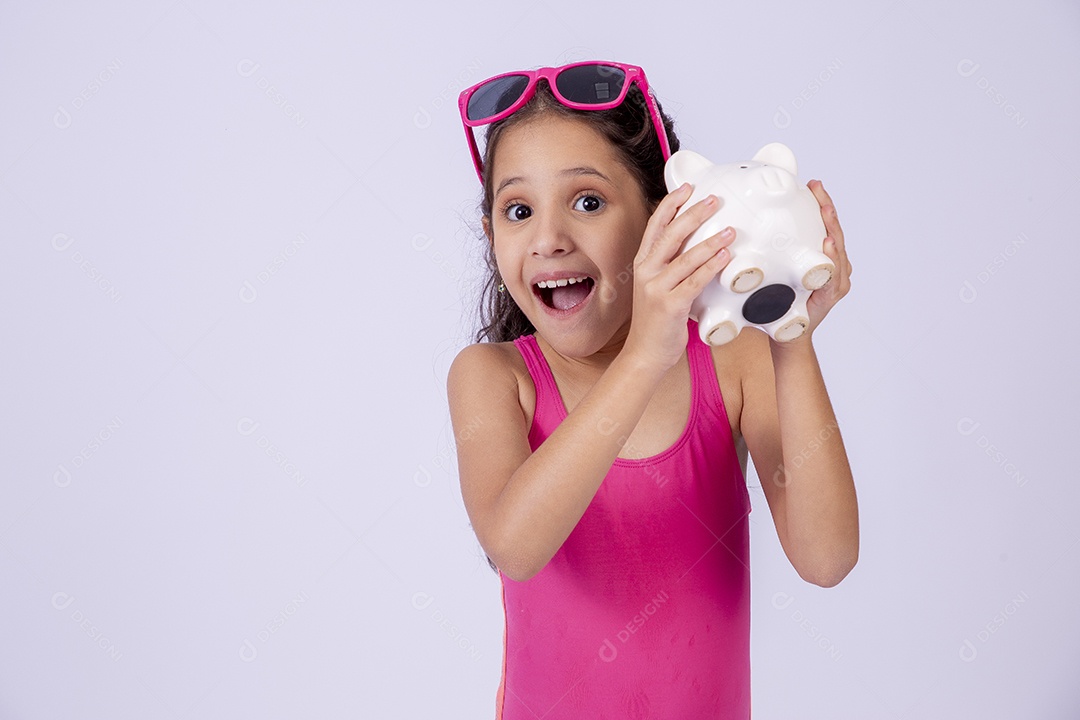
601,445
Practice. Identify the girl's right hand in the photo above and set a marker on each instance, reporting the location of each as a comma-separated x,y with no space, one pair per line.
666,282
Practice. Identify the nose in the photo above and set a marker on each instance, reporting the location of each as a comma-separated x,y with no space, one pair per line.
551,235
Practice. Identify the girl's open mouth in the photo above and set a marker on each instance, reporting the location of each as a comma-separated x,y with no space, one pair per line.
565,298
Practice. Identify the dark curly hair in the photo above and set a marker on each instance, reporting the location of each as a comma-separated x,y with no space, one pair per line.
629,130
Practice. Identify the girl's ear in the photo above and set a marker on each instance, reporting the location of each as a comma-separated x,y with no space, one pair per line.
486,223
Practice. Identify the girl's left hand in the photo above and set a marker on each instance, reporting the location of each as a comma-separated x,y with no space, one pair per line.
823,299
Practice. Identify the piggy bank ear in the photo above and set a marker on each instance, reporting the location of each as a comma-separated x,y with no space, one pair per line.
684,166
778,155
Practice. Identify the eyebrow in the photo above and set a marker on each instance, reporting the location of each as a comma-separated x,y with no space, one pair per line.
574,171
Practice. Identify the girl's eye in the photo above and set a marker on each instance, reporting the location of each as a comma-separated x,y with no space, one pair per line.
588,203
517,211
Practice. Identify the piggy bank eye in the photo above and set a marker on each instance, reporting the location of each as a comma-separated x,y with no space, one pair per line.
744,166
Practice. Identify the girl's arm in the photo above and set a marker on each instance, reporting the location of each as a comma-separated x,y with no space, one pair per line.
792,434
522,504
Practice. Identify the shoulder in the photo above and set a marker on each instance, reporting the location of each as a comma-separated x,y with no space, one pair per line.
483,396
485,365
477,359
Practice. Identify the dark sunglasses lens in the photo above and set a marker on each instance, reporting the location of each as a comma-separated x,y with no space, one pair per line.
495,96
591,84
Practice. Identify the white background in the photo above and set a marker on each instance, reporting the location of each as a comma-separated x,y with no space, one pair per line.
240,253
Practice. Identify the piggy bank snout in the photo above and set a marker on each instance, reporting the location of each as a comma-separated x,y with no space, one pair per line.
768,304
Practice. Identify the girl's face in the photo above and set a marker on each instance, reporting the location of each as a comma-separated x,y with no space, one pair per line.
565,204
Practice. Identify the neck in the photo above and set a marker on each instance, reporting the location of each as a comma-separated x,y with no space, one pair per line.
590,363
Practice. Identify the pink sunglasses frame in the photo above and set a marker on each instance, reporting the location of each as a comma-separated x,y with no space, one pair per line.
633,74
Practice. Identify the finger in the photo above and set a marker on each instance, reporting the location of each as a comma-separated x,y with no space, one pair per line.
662,215
678,230
689,261
832,224
846,264
834,231
828,211
838,256
841,281
818,188
692,285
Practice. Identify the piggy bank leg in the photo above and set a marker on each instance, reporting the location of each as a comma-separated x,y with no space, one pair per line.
746,280
744,273
817,276
791,329
716,327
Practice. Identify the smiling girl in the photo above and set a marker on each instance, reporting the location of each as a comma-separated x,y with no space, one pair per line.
601,445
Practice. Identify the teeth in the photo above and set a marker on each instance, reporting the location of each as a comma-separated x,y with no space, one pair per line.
560,283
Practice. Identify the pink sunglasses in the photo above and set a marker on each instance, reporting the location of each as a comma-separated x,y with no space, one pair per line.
589,85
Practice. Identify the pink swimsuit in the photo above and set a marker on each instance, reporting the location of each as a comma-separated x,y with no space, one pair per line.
644,612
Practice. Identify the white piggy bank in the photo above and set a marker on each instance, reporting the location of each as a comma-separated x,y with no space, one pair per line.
776,258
